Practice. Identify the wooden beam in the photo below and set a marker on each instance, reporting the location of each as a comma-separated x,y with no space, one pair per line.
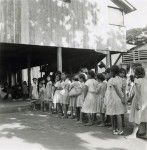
118,58
59,59
108,59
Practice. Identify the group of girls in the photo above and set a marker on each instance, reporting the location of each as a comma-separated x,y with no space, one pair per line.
95,98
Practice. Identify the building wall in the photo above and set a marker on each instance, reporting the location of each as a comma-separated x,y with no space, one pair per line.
79,24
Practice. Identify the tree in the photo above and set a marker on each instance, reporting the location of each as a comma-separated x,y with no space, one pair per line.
137,36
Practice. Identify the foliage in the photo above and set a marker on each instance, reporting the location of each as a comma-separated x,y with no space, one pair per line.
137,36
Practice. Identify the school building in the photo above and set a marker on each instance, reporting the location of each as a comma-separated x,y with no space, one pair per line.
59,35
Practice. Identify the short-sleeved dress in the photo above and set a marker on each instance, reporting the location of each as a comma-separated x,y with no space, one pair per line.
57,98
80,98
42,94
34,91
90,102
140,97
48,91
101,89
114,105
65,92
73,99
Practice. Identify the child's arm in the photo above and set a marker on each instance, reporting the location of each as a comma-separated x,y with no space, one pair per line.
138,97
119,94
85,89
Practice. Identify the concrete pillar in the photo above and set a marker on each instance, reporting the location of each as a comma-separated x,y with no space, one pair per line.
29,74
59,59
108,59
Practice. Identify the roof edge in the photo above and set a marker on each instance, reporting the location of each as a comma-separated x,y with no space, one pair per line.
125,5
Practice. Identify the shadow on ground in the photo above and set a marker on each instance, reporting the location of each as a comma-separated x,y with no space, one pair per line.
40,131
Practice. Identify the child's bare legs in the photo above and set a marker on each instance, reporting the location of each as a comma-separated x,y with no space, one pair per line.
72,109
90,119
65,106
42,105
50,107
114,124
135,129
102,116
121,123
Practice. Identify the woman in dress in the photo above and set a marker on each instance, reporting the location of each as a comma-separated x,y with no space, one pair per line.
90,93
138,113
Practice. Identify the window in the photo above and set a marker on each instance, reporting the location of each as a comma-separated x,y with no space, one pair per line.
116,16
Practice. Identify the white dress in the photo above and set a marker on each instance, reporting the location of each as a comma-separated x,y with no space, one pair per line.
57,98
65,92
90,103
34,91
140,97
114,105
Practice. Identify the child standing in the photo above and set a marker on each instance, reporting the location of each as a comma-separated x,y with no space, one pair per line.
65,84
107,78
122,75
73,94
42,93
24,90
90,94
80,98
115,104
57,98
35,89
48,93
101,90
138,112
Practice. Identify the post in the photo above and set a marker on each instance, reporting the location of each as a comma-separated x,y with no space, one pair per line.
59,59
29,74
108,59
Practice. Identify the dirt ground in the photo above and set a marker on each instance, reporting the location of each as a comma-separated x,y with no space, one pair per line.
41,131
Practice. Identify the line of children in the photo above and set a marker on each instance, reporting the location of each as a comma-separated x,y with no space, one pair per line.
103,94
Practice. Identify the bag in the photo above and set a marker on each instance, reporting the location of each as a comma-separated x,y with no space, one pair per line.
74,92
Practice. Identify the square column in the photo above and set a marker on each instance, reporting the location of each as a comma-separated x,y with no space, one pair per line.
59,59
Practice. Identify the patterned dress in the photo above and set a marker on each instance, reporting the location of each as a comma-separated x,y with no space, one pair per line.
90,102
80,98
114,105
48,91
101,89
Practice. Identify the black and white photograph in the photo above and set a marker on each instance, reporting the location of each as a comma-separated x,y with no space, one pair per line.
73,74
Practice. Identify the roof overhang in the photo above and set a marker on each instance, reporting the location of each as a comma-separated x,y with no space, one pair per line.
125,5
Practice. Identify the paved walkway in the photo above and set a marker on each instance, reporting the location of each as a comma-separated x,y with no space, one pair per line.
40,131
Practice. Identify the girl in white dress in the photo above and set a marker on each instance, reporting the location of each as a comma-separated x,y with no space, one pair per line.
57,98
90,93
35,89
65,84
48,93
115,96
138,113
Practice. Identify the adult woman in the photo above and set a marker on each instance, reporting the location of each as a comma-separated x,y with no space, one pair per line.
90,94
